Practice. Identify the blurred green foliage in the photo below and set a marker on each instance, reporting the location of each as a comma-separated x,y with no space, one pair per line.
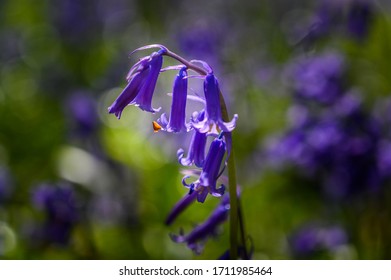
47,53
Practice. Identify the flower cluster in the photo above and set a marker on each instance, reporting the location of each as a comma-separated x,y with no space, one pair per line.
206,123
333,138
314,239
350,17
58,201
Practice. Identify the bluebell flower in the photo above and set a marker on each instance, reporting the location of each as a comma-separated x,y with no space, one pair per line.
59,204
177,120
208,228
180,206
332,17
213,122
318,78
359,17
207,183
83,113
144,98
5,184
196,153
142,79
65,13
312,239
384,158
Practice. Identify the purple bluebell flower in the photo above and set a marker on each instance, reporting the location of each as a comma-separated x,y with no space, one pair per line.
318,78
312,239
384,158
181,206
207,183
209,46
5,184
65,13
83,113
213,122
200,233
142,79
177,120
59,204
143,99
326,16
359,18
196,153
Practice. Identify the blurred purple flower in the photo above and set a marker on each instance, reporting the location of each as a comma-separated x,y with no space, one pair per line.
213,39
318,78
200,233
311,239
332,17
5,184
77,22
191,44
359,18
60,207
337,147
82,109
384,158
181,206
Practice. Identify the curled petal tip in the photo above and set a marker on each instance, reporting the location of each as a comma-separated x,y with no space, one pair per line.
204,64
161,47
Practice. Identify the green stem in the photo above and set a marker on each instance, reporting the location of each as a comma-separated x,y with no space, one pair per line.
234,210
235,213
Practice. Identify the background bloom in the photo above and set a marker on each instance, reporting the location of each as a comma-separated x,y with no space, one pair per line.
60,207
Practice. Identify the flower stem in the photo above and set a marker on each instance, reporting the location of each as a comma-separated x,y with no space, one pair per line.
187,63
232,184
233,204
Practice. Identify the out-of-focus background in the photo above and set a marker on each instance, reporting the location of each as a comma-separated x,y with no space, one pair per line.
310,81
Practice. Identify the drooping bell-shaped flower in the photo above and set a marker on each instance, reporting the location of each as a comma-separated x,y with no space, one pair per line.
196,153
143,99
200,233
207,183
141,79
129,93
213,121
181,206
177,120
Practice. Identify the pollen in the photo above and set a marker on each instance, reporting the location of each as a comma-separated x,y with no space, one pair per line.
156,127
